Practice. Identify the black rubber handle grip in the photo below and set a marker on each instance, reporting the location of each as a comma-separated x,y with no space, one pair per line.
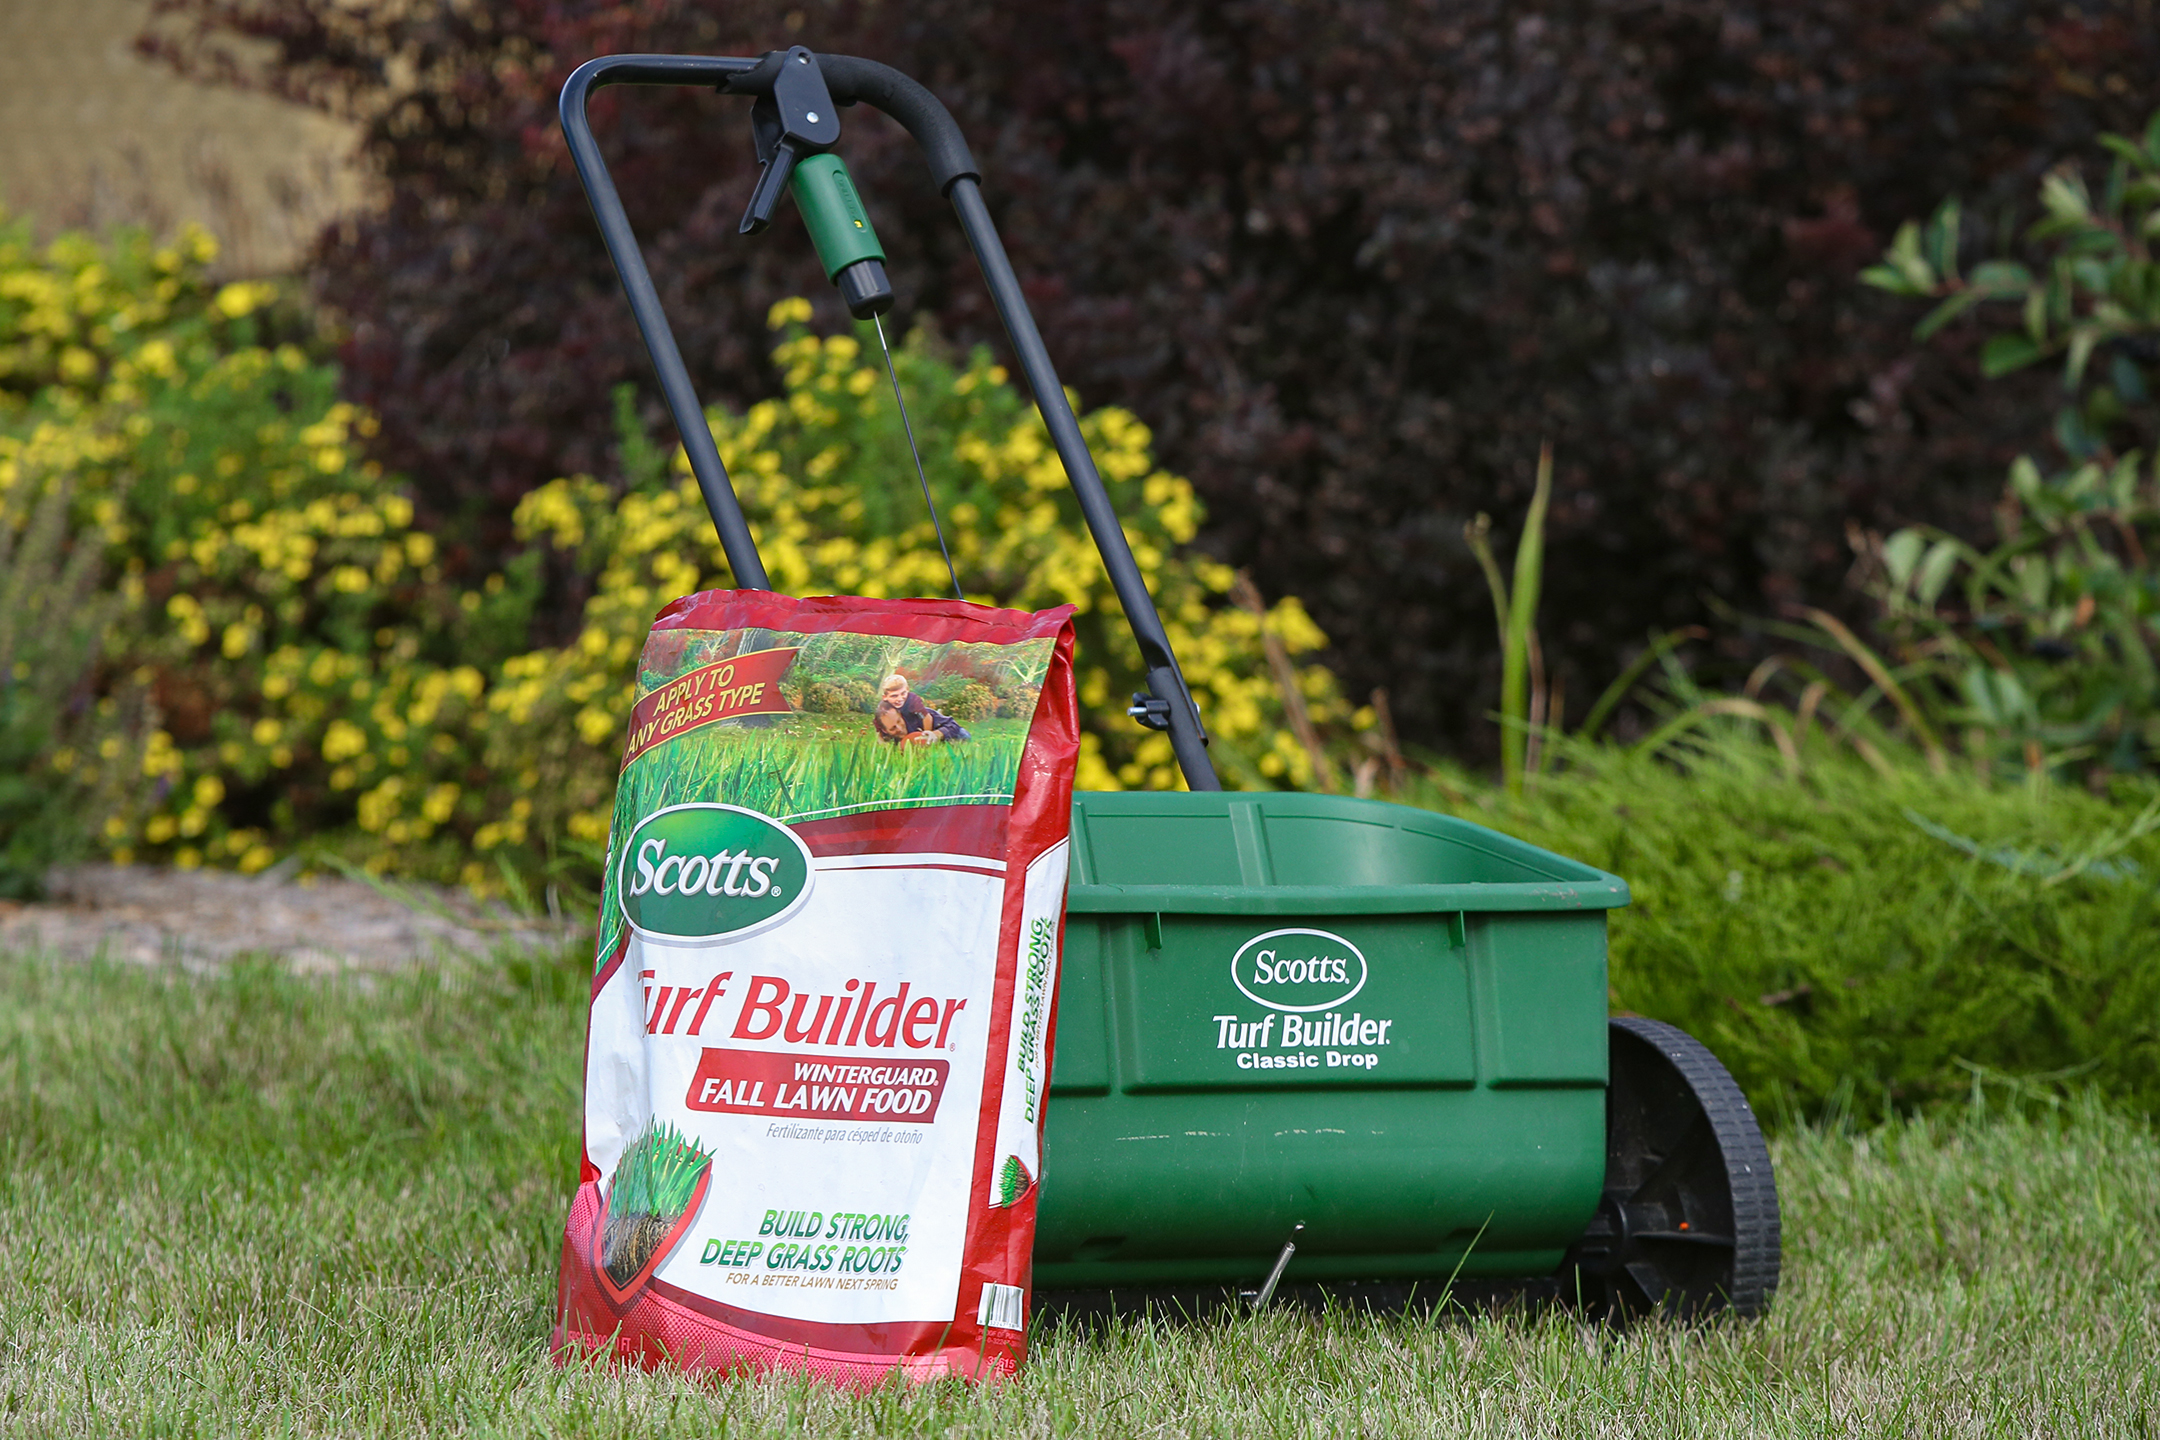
852,78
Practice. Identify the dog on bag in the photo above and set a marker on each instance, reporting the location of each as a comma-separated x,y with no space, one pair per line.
904,718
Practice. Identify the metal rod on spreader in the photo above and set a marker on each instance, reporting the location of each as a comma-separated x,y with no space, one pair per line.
1282,1263
909,426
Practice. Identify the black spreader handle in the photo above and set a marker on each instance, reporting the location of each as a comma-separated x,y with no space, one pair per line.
953,168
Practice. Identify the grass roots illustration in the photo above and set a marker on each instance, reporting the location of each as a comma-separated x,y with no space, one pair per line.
652,1187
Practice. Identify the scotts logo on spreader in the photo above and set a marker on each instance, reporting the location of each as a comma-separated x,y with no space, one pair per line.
710,872
1298,970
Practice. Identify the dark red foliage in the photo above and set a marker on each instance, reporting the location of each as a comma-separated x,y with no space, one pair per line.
1352,259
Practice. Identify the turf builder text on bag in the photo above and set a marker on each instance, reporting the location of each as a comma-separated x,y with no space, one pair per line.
825,989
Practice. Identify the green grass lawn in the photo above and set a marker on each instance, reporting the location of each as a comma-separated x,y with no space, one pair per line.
256,1204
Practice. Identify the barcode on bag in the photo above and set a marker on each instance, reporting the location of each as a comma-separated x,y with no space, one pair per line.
1001,1307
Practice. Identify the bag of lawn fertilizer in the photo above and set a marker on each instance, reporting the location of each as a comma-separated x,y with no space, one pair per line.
825,989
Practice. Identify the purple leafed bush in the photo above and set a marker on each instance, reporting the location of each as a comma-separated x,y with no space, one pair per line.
1352,260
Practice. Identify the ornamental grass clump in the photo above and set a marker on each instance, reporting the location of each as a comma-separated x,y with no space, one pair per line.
62,749
654,1183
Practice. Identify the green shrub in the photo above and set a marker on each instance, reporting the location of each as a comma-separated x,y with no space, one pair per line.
973,701
963,697
839,697
1850,921
1015,698
1848,937
2044,649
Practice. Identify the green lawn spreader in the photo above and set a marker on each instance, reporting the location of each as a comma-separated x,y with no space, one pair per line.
1301,1038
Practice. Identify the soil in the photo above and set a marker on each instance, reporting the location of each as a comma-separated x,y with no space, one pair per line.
203,918
631,1241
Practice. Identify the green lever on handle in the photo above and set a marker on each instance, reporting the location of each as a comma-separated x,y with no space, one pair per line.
840,228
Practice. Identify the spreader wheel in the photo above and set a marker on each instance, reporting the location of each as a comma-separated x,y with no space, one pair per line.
1688,1224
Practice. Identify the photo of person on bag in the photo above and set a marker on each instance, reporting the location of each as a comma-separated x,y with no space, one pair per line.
902,716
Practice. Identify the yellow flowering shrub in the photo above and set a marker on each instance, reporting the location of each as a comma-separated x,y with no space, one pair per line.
296,633
323,684
829,488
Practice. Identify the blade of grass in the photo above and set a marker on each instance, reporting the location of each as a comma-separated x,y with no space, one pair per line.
1246,596
1731,705
1628,678
1872,665
1520,619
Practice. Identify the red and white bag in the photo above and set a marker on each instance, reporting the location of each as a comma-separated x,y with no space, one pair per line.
825,990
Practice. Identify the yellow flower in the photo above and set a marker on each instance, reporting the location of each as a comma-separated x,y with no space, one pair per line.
379,806
187,612
342,741
243,297
156,357
440,804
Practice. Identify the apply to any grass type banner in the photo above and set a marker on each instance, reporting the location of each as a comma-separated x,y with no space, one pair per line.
825,990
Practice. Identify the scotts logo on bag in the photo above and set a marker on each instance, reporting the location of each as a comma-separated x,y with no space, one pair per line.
710,872
1298,970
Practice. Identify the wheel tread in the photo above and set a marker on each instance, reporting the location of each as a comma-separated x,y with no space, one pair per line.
1757,1231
